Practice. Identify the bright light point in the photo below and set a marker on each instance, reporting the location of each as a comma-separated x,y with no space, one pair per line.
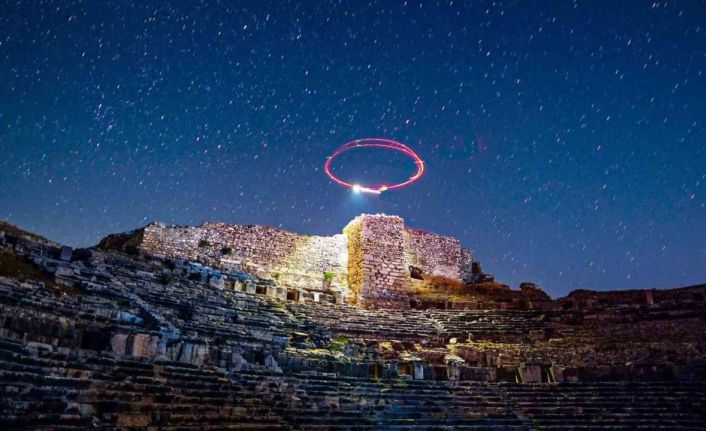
357,188
370,191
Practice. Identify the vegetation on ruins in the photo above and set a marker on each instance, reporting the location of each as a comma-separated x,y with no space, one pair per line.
328,276
339,343
203,243
225,251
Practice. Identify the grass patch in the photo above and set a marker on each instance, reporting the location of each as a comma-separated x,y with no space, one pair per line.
339,343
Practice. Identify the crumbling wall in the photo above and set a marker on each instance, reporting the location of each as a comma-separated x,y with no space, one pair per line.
370,261
175,241
294,260
385,277
354,233
466,270
434,254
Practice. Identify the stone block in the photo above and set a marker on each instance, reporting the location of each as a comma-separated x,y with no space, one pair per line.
250,288
64,270
272,365
126,420
239,286
118,344
191,353
530,373
238,362
142,345
66,253
557,373
418,371
217,282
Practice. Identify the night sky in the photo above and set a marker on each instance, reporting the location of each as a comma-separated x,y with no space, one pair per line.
564,141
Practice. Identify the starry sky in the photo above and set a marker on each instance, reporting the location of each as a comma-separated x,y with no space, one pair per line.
564,141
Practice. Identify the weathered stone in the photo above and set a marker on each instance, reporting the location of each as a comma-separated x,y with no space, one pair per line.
66,253
118,344
142,345
418,371
531,373
271,364
217,282
238,362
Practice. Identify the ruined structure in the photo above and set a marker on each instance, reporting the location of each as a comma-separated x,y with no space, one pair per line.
369,263
165,329
296,261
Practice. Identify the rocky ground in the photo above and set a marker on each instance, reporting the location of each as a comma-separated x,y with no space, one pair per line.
99,338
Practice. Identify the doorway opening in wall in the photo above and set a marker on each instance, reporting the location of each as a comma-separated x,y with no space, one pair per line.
292,295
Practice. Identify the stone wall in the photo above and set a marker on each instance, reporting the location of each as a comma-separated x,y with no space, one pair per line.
370,261
382,269
435,254
356,279
294,260
466,270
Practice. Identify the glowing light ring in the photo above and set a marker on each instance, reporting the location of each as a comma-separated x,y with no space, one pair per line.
375,143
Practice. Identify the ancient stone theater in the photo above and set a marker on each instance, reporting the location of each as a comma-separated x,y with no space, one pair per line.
382,327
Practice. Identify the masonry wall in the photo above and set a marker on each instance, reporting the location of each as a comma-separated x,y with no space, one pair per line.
370,261
466,270
382,269
434,254
356,278
295,260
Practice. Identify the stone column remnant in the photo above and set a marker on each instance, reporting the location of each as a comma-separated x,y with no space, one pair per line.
377,271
